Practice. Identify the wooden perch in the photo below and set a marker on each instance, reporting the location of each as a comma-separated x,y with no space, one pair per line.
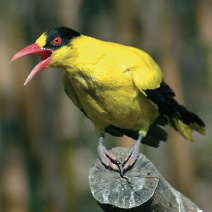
141,188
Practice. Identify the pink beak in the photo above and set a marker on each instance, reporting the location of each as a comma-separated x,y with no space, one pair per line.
35,49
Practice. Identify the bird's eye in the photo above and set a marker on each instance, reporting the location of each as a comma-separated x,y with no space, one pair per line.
57,41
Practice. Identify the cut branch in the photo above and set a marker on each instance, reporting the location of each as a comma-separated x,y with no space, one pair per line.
140,188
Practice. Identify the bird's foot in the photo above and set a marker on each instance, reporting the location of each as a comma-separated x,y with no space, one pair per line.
107,158
132,155
110,161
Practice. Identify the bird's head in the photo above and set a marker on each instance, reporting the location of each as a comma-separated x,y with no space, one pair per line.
51,46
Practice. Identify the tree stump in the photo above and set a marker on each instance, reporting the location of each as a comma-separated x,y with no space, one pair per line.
140,188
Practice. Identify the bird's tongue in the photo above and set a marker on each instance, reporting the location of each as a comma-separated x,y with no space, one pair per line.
35,49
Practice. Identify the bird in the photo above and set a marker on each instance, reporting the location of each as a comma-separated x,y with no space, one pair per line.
121,89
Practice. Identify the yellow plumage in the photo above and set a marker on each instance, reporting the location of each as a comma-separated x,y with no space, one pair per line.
109,80
119,88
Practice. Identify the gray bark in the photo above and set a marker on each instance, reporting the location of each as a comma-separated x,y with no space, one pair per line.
141,188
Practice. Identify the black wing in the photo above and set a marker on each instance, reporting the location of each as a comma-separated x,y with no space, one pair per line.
168,107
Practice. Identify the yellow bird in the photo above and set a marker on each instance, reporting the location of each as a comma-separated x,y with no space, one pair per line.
119,88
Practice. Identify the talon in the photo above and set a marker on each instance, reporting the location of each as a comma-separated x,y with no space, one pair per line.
107,158
127,157
111,156
113,166
130,162
133,154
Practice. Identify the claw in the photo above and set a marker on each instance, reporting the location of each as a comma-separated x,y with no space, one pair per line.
110,161
107,158
133,154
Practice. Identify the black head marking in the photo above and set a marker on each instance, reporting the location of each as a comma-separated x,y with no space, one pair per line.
66,34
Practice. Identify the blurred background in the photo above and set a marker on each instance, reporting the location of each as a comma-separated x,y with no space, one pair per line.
47,145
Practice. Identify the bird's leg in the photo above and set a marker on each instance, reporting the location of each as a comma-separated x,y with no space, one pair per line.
107,158
133,153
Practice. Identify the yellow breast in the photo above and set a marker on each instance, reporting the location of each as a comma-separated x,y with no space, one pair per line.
102,78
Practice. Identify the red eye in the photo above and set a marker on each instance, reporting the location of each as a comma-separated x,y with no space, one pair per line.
57,40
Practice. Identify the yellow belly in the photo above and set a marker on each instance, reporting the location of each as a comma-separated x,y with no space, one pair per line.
108,79
121,106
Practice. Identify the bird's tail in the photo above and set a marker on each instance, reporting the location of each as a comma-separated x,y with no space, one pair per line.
185,122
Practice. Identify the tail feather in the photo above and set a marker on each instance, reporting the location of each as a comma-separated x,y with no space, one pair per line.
177,115
185,122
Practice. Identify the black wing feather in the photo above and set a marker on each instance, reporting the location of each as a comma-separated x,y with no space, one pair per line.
163,97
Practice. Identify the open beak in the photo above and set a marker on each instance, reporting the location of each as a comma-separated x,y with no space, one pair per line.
35,49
